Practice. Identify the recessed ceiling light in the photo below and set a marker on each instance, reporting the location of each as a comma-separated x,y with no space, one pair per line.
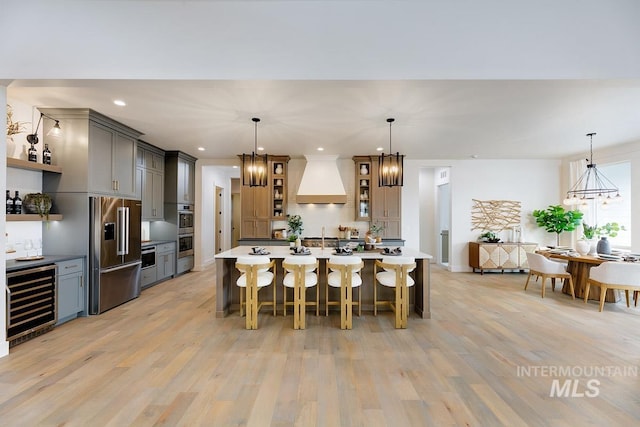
236,166
474,156
320,149
200,148
119,102
379,149
260,148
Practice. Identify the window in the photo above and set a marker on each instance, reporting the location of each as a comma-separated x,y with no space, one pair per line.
620,175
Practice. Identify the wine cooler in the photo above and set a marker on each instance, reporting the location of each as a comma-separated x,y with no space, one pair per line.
31,302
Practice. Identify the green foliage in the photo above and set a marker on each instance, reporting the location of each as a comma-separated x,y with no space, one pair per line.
589,231
376,229
555,219
610,229
295,225
489,236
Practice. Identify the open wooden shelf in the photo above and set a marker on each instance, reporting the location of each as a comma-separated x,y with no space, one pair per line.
33,217
23,164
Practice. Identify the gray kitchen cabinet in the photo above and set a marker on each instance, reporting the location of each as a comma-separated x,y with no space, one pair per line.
179,177
112,161
71,289
150,181
97,153
165,260
148,276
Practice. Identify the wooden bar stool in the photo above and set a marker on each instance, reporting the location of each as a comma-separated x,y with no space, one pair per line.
395,274
255,276
300,275
345,275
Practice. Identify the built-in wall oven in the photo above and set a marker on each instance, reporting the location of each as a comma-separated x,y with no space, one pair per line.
185,219
185,245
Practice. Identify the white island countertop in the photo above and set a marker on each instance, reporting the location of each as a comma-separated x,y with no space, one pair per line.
226,274
284,251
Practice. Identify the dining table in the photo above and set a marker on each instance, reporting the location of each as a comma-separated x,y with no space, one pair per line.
578,266
227,294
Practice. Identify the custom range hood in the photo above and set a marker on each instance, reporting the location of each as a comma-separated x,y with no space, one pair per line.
321,182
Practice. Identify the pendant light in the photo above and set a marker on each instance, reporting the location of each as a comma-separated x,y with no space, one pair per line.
592,185
390,166
254,166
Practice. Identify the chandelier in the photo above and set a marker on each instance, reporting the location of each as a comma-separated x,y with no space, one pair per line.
390,166
592,185
254,166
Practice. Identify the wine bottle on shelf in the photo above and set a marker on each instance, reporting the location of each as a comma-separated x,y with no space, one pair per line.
9,203
46,155
17,204
33,154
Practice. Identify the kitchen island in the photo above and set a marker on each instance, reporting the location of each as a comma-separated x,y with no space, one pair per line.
227,293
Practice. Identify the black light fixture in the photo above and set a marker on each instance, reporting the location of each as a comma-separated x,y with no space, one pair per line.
55,130
390,166
592,185
254,166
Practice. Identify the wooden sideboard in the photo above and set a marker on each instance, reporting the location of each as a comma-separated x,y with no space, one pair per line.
499,256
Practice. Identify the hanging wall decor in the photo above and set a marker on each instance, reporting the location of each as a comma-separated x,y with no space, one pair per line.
495,215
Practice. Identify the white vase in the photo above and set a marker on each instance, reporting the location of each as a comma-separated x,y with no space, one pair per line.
364,170
583,246
593,244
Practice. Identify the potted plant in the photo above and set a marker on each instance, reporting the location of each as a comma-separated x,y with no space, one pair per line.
555,219
587,245
489,236
295,227
375,230
37,203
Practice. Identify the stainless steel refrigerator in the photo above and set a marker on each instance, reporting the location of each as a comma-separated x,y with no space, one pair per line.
114,258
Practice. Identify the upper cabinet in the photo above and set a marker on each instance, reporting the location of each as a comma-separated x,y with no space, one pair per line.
150,181
363,188
262,205
179,177
111,160
97,153
278,165
379,205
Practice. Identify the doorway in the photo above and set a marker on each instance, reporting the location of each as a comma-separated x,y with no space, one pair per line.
444,214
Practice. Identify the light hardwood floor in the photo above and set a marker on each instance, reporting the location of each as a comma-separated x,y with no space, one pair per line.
164,359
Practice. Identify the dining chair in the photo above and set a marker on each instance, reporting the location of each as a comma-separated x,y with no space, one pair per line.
255,275
343,273
614,275
541,266
394,274
300,275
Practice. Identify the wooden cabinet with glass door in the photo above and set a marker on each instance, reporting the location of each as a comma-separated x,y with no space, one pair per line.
278,178
363,186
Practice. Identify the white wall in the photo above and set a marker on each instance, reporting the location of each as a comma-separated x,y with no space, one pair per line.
209,175
535,183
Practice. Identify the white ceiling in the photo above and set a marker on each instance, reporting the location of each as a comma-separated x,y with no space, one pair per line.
435,119
495,79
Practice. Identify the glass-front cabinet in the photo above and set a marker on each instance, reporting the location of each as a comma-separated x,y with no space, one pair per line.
363,186
279,187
